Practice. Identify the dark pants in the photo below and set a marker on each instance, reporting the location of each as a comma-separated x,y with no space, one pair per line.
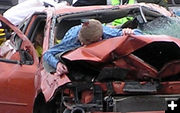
89,2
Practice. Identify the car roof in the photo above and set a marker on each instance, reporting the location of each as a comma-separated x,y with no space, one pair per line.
149,6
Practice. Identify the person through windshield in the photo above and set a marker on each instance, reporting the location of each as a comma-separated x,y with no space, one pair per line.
89,32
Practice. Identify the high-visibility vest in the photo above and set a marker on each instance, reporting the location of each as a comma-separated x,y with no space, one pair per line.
122,20
39,51
2,36
117,2
2,32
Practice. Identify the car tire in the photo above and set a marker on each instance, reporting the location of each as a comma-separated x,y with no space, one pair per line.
41,106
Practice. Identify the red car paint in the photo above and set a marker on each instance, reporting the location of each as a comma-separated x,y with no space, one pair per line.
21,85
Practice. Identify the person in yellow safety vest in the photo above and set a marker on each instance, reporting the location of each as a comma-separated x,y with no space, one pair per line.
125,19
2,36
38,42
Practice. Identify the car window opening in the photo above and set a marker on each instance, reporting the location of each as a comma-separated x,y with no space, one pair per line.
7,44
10,48
82,70
158,54
135,17
38,37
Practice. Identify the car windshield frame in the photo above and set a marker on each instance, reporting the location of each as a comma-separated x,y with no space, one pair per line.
105,15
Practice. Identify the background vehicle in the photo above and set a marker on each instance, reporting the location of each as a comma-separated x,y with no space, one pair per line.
139,75
174,5
173,2
6,4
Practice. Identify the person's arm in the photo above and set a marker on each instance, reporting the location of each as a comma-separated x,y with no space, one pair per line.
137,32
51,60
61,69
49,56
69,42
127,31
109,32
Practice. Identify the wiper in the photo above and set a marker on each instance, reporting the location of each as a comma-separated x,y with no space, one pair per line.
10,61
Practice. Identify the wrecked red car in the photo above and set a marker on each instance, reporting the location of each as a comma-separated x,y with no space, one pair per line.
125,74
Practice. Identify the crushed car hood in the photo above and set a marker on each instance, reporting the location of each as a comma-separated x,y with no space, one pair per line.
128,47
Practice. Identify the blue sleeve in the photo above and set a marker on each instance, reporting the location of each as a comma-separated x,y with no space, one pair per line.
109,32
68,42
137,32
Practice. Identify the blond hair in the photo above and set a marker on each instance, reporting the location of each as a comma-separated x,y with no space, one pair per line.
90,32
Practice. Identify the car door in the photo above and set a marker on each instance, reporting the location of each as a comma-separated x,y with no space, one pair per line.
18,67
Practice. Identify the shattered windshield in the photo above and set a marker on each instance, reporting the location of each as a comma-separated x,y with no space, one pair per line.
163,26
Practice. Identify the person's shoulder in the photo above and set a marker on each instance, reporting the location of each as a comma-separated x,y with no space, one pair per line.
75,28
110,28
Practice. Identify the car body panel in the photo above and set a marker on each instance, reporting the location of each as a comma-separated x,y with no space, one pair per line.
17,89
72,10
141,112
